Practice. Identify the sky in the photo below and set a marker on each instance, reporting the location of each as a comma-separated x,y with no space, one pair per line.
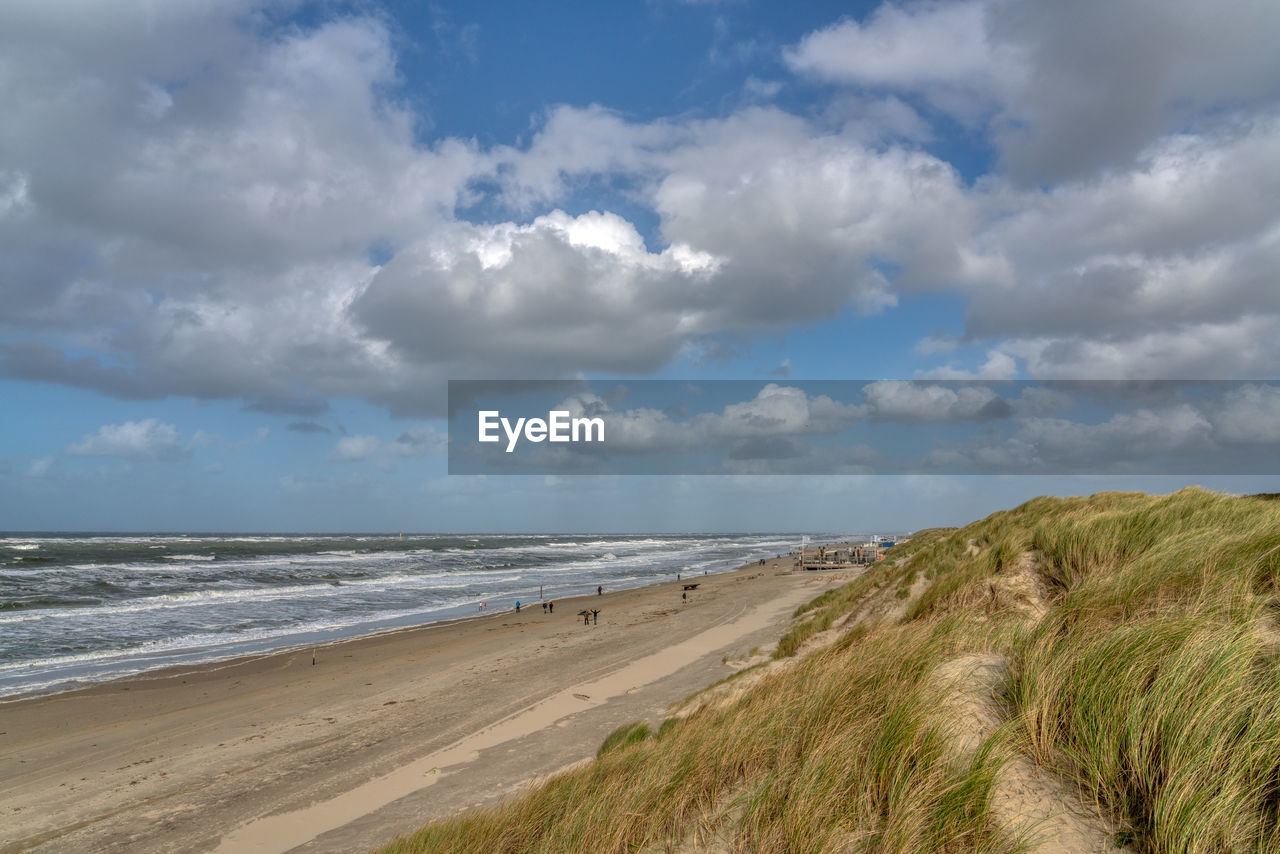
245,244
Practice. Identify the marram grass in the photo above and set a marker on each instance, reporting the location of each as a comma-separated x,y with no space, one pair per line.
839,751
1152,684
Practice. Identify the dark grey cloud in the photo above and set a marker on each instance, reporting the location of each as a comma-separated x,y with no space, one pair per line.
1065,89
289,406
40,361
307,427
1101,79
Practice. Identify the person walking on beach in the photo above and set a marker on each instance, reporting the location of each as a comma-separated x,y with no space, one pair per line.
517,606
595,617
544,607
599,589
551,607
684,597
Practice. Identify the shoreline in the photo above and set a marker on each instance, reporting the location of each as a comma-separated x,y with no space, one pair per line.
164,670
171,671
184,758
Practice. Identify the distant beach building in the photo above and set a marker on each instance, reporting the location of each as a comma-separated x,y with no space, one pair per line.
841,556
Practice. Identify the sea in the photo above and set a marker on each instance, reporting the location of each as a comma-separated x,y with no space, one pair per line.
82,608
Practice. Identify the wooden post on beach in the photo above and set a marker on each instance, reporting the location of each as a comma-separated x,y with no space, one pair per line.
539,592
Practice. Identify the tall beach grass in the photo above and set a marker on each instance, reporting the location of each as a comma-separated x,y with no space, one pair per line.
1148,682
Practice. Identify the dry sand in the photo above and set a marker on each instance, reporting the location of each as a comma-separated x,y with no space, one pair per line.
273,754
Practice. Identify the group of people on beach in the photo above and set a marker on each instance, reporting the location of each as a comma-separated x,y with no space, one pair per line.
549,607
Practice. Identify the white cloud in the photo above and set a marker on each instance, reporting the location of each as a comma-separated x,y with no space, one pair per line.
776,412
1249,414
354,448
148,439
188,205
998,366
893,400
39,467
1240,348
1067,87
938,47
1162,270
417,441
558,295
1123,437
217,241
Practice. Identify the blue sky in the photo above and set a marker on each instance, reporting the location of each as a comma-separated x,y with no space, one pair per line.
244,244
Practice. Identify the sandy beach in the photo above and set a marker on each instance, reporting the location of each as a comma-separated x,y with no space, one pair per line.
275,754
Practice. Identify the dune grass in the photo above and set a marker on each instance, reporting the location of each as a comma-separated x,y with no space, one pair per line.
819,614
841,750
624,736
1152,684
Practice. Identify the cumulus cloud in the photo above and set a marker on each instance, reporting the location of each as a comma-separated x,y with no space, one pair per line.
1066,87
939,48
776,412
189,199
1124,436
307,427
921,402
1103,79
354,448
896,427
415,442
1175,439
149,439
217,188
998,366
1249,414
1161,270
560,294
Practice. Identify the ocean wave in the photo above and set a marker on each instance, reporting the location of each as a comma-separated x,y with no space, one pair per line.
262,595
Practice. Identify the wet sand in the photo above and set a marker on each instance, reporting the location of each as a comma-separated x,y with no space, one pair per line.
274,754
